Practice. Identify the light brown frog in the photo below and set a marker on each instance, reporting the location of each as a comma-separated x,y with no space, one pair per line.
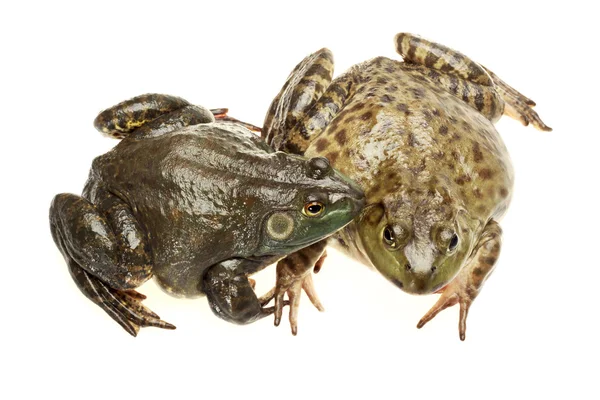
418,136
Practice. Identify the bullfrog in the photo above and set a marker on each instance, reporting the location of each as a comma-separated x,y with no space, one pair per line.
197,202
418,136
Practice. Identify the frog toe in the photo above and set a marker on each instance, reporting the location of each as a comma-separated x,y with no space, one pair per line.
124,306
445,301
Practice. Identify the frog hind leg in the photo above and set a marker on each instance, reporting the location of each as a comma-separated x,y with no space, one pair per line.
468,283
468,80
150,115
518,106
304,86
229,290
221,114
107,257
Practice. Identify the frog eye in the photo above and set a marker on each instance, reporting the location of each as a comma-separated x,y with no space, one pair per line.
313,209
319,167
389,237
453,243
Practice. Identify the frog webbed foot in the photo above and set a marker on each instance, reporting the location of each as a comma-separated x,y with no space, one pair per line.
124,306
293,276
516,105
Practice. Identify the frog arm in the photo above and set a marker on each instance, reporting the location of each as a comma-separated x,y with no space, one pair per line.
150,115
476,85
229,290
107,256
305,85
468,283
293,276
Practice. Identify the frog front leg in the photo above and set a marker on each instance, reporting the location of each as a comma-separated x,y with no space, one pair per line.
474,84
293,276
230,293
107,256
468,283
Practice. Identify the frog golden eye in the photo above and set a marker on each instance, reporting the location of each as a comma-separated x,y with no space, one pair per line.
453,243
313,209
389,236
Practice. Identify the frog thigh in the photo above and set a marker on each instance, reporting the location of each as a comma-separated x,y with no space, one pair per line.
305,85
150,115
106,255
466,79
229,291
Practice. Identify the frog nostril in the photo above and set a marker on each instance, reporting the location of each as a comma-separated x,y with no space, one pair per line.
407,266
433,268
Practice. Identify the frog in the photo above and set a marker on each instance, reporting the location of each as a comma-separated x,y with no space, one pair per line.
418,136
199,202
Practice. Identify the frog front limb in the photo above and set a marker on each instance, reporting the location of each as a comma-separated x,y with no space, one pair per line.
463,289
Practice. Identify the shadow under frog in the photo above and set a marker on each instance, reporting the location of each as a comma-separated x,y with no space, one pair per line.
418,137
199,204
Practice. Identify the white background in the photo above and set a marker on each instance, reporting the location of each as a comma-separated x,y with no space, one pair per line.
533,330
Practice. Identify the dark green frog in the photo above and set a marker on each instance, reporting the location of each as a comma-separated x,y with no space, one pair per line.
199,204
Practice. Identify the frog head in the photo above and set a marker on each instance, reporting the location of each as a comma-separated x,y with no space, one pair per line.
419,240
310,201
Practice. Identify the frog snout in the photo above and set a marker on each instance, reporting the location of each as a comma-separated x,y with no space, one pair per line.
419,282
356,200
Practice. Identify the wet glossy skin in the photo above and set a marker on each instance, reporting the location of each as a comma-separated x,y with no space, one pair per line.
418,137
198,204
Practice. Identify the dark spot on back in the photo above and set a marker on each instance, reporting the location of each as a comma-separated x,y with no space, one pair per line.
503,192
418,93
340,137
477,271
382,81
321,144
477,154
402,107
366,116
356,107
391,88
387,98
461,180
485,173
332,156
477,193
443,130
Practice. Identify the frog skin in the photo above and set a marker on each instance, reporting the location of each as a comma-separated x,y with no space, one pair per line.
199,204
418,137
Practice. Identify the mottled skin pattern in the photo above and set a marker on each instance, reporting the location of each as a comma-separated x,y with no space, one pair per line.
418,137
196,203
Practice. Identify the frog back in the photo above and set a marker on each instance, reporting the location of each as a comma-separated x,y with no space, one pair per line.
401,130
190,189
